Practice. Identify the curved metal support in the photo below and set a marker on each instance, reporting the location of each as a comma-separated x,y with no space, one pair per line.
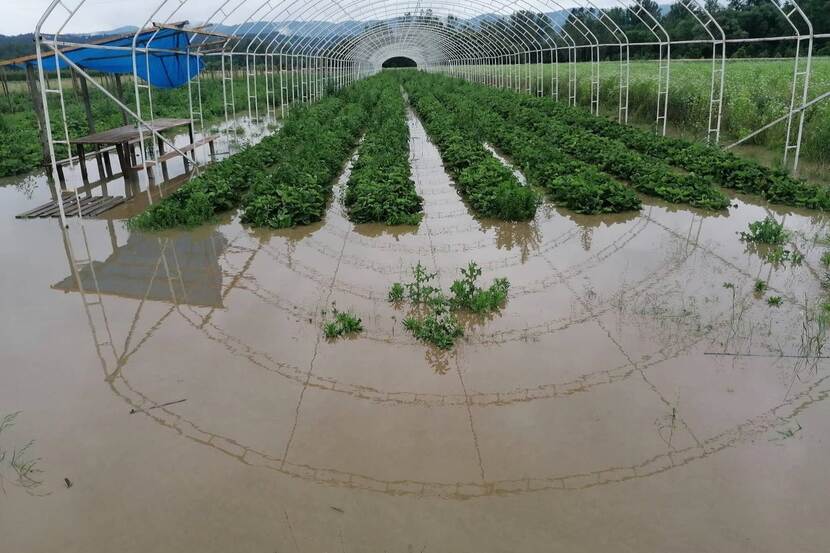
698,10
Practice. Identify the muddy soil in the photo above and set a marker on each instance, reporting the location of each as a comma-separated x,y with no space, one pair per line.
634,394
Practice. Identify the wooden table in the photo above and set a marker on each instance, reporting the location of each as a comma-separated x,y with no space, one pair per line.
123,138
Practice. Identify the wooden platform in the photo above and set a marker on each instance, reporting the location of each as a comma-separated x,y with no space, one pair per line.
129,133
90,207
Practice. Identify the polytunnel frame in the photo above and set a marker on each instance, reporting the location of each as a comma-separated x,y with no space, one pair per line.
537,51
301,55
340,58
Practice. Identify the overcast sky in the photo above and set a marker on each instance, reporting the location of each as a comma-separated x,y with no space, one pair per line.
21,16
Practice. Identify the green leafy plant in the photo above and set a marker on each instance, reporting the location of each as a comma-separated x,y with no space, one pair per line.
419,290
766,231
344,323
467,295
24,469
439,326
760,286
775,301
825,259
284,180
396,292
437,322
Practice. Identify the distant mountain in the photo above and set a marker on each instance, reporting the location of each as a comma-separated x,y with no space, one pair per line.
306,28
117,31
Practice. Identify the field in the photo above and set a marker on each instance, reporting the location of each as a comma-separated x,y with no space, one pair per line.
755,93
587,164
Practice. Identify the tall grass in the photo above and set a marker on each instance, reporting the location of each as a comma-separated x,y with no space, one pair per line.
755,93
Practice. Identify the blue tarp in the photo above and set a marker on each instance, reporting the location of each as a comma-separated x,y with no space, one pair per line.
167,69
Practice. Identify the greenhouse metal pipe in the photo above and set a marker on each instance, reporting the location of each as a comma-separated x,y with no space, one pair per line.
718,66
362,38
455,6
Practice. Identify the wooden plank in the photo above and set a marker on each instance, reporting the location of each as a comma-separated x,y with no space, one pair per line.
91,211
69,211
129,133
90,206
34,212
109,204
90,203
45,208
184,149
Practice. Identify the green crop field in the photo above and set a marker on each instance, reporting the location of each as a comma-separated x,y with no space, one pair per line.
755,93
20,149
585,163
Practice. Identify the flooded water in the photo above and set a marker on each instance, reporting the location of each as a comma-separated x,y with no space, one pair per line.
179,396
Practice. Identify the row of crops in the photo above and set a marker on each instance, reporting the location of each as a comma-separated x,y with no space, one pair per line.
581,162
571,154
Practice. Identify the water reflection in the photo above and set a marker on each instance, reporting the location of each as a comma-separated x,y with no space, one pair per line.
524,236
375,230
183,269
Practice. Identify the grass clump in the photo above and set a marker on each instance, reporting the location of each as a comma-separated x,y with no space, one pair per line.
760,286
439,326
344,323
825,259
396,292
467,295
434,319
775,301
766,231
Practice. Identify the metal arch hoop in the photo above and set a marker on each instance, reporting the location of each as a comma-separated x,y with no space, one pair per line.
450,44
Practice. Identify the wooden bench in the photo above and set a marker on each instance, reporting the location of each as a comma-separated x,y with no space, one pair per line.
165,157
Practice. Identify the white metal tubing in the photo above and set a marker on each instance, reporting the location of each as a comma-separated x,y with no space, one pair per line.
487,54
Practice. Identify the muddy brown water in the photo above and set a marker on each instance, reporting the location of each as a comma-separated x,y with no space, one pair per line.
586,416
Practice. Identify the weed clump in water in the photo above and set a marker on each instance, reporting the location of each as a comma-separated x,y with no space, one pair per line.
396,292
760,286
766,231
439,326
344,323
771,236
437,322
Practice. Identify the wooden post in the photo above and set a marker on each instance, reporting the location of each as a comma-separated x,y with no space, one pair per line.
75,78
5,83
90,121
34,92
119,92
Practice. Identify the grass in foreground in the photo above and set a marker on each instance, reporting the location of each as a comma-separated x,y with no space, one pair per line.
345,323
434,317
